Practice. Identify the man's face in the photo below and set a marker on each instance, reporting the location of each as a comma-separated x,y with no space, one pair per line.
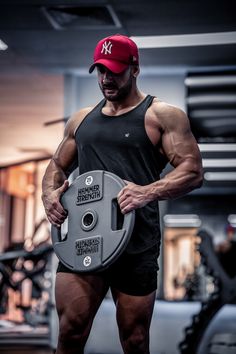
115,87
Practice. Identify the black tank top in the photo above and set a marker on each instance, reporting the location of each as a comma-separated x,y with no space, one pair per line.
120,144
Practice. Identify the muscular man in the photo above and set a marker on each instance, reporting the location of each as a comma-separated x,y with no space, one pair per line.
133,135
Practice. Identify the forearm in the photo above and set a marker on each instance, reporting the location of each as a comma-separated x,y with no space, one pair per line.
53,177
53,185
178,182
183,179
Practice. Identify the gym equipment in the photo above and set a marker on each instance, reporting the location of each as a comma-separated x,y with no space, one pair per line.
224,293
95,232
8,265
34,329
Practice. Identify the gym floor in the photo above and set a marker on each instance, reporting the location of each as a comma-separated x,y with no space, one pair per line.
25,350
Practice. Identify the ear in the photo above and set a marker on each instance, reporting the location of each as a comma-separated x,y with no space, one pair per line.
135,70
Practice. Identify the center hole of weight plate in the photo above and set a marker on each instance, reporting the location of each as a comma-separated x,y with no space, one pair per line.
89,220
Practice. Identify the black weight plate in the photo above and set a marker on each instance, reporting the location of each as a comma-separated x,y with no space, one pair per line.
96,231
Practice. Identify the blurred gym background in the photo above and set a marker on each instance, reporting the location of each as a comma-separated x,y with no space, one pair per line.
187,58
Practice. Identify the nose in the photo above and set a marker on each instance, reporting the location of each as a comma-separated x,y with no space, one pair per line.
107,76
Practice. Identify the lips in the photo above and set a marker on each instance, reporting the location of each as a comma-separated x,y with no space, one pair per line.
109,87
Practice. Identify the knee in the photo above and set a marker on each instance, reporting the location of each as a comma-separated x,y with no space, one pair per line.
72,333
136,341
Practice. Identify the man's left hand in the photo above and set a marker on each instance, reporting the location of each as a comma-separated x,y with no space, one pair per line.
132,196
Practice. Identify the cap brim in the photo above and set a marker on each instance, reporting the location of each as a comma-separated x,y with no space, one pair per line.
115,66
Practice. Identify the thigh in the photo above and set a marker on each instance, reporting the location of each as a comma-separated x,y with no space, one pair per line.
133,312
78,297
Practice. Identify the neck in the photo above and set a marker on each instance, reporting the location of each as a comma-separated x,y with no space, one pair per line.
134,98
115,108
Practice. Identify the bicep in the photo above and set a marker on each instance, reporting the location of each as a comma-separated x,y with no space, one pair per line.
66,153
178,142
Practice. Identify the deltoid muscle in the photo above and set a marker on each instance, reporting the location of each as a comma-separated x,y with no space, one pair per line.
224,293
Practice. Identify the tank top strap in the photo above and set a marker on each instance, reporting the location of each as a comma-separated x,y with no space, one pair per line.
146,103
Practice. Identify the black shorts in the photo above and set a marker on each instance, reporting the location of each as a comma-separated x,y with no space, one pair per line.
132,274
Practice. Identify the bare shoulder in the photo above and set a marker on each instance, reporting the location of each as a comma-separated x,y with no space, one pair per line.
76,119
168,115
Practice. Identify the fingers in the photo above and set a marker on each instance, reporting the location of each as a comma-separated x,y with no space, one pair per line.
54,221
126,200
57,214
131,197
126,206
57,208
124,188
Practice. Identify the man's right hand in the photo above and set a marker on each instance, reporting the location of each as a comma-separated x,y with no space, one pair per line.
53,208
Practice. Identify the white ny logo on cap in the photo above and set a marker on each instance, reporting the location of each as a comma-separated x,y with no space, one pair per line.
106,48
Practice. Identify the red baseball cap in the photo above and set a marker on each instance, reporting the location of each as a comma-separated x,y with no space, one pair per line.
116,53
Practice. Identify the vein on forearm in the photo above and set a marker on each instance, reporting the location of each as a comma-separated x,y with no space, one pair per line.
183,179
54,176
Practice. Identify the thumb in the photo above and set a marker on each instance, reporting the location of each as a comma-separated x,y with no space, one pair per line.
64,187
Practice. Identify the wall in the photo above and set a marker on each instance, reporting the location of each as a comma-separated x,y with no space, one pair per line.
83,90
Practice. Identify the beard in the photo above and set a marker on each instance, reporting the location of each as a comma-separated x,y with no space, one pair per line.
114,93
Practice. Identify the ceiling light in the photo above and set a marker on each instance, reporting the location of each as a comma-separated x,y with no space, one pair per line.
186,220
185,40
220,176
217,147
219,163
3,46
